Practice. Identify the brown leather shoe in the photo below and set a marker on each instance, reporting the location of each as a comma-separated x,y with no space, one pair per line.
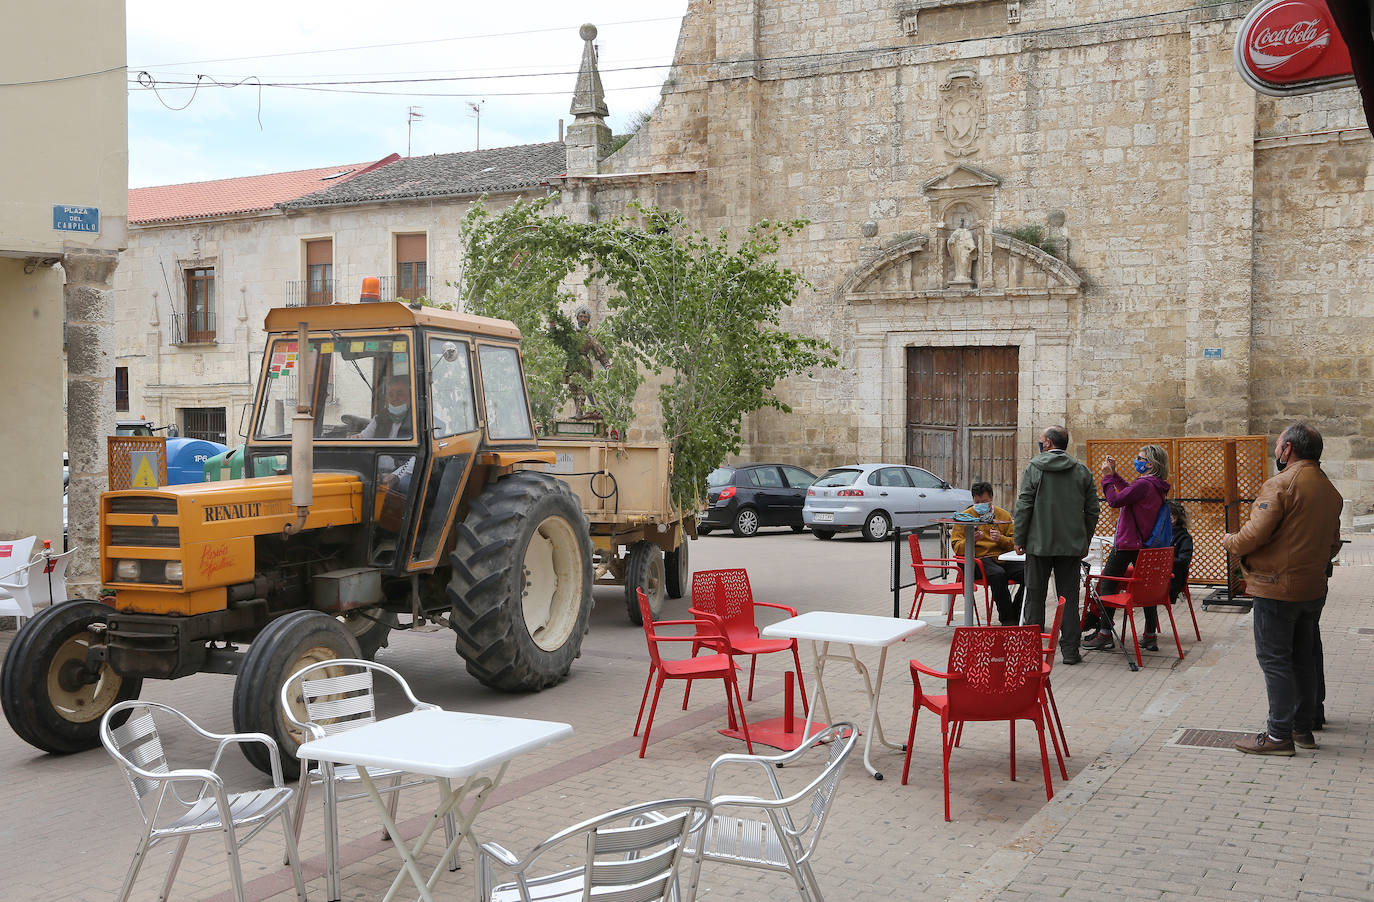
1262,744
1304,740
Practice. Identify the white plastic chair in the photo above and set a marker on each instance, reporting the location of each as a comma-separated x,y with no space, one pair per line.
770,830
627,855
178,803
331,697
42,581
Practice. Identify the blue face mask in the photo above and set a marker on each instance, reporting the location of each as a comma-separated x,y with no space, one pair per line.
983,507
397,410
1141,466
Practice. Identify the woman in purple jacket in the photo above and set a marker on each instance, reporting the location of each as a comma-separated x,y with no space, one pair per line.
1139,502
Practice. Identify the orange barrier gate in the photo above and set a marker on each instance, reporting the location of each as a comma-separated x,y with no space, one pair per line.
1215,478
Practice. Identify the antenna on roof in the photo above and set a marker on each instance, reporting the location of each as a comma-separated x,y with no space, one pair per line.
476,109
412,114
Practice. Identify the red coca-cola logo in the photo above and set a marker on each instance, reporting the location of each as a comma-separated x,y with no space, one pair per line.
1286,44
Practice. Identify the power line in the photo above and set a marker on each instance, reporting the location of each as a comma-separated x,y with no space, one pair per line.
471,37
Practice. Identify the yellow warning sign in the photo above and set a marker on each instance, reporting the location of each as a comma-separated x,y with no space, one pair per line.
144,466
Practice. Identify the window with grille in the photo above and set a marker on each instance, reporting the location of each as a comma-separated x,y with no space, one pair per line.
411,271
121,388
200,304
207,423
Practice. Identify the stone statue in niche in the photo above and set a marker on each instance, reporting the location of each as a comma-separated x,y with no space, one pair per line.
963,248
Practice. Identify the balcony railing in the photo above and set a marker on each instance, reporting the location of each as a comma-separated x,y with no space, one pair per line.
191,329
311,293
303,293
391,289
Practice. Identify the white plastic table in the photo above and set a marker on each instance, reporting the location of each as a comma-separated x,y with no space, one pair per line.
825,627
445,744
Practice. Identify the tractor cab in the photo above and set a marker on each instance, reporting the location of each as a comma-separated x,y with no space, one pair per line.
402,398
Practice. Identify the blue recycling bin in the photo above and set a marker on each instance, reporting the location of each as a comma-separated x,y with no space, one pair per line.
186,459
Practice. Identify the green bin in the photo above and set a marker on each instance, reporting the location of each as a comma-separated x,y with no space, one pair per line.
228,465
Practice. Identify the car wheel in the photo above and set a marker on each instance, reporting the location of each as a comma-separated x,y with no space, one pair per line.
823,534
797,527
877,526
746,522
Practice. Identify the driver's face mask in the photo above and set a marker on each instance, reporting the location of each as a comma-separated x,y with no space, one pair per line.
397,410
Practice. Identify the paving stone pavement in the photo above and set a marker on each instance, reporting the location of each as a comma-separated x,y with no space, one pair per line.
1139,818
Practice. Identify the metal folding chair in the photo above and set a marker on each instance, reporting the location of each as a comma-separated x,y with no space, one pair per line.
627,855
331,697
181,802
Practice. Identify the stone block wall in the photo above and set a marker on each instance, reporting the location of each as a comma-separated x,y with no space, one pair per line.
1125,133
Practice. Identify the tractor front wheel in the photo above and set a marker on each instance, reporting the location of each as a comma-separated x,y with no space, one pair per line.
521,590
284,646
52,699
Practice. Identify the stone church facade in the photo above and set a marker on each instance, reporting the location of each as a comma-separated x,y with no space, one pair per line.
1021,213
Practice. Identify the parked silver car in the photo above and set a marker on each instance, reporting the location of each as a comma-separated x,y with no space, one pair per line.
875,498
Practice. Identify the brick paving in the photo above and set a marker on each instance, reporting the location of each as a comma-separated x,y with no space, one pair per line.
1140,818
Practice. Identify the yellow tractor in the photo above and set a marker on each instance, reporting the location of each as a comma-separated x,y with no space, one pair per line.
383,488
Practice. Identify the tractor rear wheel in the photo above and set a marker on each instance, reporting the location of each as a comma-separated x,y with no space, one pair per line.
50,699
521,590
644,569
284,646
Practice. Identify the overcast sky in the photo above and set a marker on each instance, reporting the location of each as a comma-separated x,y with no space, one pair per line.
180,134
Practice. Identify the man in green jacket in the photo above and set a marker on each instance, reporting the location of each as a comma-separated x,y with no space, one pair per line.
1056,513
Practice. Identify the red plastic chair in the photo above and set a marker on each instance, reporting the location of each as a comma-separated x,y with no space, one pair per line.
1057,737
725,598
718,666
926,586
995,673
1146,586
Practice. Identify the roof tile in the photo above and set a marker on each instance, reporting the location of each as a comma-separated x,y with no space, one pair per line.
469,172
250,194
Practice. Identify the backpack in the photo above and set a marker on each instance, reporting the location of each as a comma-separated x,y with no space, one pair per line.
1162,536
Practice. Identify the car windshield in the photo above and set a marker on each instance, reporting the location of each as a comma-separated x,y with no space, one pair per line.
838,477
720,476
357,377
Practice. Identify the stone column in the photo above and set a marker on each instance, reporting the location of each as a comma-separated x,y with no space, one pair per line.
90,405
1221,203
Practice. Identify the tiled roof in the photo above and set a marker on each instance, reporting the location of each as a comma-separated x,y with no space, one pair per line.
254,193
445,175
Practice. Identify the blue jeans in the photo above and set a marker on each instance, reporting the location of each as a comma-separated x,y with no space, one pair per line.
1287,645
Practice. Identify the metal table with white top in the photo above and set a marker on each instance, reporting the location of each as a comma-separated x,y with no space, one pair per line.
825,627
450,745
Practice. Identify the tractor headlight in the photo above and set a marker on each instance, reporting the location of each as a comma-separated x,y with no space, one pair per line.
127,570
172,571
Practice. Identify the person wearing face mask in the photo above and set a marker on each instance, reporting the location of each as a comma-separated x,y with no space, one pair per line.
989,541
393,422
1139,502
1286,549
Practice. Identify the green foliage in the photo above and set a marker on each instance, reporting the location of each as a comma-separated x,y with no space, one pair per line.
707,316
636,122
1034,235
696,309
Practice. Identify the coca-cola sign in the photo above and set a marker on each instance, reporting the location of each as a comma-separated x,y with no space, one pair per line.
1292,47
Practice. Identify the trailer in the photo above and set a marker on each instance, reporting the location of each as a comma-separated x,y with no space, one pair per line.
639,538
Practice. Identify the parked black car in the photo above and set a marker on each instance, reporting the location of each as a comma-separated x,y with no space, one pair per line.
748,496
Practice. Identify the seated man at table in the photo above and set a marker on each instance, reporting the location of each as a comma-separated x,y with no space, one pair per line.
990,540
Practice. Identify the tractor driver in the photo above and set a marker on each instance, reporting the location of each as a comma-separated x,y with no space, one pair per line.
393,421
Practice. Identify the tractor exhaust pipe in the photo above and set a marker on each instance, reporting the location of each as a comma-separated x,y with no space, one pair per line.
302,436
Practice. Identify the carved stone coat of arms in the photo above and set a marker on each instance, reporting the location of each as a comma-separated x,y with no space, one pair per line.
961,113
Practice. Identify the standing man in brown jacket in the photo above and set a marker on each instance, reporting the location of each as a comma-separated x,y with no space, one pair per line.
1286,548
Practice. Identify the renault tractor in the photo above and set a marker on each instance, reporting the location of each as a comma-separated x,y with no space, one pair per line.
385,486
